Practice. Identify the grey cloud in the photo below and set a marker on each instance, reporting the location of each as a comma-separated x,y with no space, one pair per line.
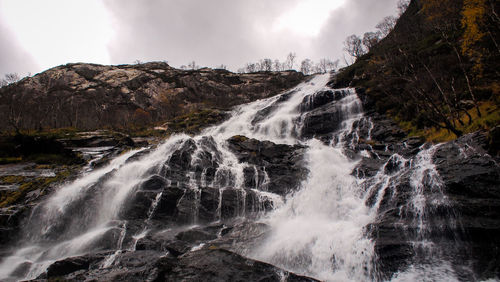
214,32
13,58
227,31
356,17
209,32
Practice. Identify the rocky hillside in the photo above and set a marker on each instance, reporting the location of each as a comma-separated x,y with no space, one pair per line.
436,73
89,96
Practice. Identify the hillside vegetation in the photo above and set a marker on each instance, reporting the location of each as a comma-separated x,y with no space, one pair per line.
90,96
437,72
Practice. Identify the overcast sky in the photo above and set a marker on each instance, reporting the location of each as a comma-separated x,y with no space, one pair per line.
36,35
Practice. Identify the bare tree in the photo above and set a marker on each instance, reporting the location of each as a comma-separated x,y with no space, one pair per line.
354,47
332,65
370,39
222,67
386,25
316,69
306,66
9,78
277,65
290,60
251,67
326,65
266,64
192,65
402,6
259,66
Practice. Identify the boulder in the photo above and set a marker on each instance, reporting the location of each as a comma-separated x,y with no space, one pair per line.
283,164
316,100
213,264
167,208
322,121
207,264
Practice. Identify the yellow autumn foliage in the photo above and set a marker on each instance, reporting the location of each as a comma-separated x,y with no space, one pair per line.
473,14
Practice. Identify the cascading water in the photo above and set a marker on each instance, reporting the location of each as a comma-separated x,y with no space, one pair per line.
320,229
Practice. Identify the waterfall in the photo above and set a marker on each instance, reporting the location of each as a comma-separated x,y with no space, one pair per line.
320,229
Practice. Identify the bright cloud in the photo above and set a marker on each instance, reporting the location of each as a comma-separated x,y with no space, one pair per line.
60,31
307,17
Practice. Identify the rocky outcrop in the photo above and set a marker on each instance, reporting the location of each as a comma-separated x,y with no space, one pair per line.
471,181
324,114
89,96
459,202
272,171
206,264
282,164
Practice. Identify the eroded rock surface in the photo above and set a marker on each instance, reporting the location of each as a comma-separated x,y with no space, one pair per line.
89,96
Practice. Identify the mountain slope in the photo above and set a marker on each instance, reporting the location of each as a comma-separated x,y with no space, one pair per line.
429,75
89,96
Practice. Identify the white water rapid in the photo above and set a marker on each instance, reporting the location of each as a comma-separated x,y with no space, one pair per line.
320,230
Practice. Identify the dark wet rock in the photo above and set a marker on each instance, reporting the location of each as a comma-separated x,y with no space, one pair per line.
179,240
494,141
385,130
179,163
471,180
139,205
177,248
187,206
108,241
181,159
232,203
468,195
207,160
254,203
394,164
283,164
161,239
368,167
126,266
394,251
322,121
466,168
195,236
321,98
10,220
209,203
154,183
220,265
69,265
316,100
207,264
167,205
242,235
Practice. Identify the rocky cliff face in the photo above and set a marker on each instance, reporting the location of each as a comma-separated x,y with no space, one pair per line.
452,215
88,96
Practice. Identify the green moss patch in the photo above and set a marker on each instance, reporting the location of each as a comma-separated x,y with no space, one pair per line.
9,197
